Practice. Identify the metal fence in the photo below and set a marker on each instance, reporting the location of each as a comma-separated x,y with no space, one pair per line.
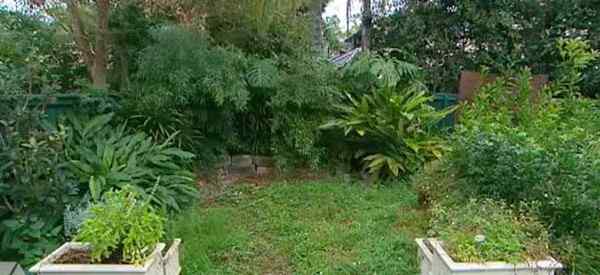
442,101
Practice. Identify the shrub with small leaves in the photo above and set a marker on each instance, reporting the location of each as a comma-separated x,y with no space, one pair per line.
122,223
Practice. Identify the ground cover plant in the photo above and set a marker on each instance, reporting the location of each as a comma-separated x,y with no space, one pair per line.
488,231
303,227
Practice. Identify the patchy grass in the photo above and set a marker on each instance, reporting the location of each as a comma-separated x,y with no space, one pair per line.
313,227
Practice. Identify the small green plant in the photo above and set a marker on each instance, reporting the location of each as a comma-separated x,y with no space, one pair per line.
485,230
123,224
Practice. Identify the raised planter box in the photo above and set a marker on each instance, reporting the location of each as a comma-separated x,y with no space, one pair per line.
435,261
157,263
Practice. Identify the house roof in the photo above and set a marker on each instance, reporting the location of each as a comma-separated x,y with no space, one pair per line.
344,58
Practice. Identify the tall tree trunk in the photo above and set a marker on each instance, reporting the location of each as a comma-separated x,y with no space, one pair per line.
123,68
366,24
94,56
79,35
101,50
317,13
348,15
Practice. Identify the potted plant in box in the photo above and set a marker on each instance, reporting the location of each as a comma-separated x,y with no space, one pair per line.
122,236
485,237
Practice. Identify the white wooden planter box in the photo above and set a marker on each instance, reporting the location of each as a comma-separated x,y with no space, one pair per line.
435,261
157,263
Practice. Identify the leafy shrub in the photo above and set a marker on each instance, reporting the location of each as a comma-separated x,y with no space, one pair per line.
104,157
122,223
506,166
303,100
391,122
33,58
504,235
35,185
564,179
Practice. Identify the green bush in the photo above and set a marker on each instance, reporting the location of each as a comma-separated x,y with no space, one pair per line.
33,57
122,223
564,179
267,106
303,100
502,166
104,157
487,231
185,85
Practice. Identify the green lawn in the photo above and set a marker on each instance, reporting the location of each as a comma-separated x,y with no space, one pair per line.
314,227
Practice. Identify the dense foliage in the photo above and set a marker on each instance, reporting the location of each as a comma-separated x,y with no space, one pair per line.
263,105
519,147
34,58
445,37
48,174
104,158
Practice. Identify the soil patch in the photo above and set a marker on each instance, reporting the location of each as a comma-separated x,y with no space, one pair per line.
82,256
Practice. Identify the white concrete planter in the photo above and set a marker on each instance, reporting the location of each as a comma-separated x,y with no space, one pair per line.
157,263
435,261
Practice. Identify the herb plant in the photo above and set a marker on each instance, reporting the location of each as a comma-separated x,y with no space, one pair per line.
122,223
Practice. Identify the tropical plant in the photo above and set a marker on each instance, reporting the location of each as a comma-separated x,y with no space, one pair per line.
122,223
104,157
392,121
